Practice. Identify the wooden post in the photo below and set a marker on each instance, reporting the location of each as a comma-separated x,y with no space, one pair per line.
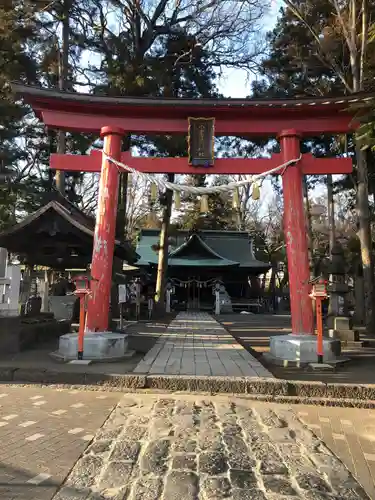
122,298
318,294
82,318
104,238
217,298
45,292
168,297
137,300
319,327
121,316
331,213
150,307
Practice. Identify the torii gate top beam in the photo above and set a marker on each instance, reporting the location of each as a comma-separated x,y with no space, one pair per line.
245,117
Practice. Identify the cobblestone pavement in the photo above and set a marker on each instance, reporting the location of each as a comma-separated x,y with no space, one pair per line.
196,344
188,448
43,432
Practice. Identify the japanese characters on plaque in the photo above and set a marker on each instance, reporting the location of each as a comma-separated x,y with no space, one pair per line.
201,142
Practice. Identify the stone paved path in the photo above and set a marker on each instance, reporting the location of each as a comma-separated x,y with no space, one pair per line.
43,432
194,448
196,344
350,433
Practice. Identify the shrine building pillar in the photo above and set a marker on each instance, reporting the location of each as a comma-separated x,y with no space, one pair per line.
295,237
105,232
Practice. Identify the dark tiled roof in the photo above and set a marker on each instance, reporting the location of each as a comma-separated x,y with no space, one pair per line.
16,238
37,92
218,248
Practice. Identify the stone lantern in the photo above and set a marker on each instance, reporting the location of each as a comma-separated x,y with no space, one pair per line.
339,322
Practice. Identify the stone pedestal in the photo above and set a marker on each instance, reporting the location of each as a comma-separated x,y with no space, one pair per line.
223,303
10,291
342,329
98,346
338,302
338,313
301,350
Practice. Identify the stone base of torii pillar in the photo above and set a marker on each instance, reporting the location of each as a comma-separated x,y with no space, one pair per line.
299,350
97,347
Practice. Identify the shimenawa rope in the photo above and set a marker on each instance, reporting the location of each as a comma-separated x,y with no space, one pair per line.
181,188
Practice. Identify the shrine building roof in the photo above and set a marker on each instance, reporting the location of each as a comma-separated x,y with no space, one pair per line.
209,249
57,235
88,112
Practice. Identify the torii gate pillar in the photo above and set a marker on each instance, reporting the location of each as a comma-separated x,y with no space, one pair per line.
105,232
301,346
295,237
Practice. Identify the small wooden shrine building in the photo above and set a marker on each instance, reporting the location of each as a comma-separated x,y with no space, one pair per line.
59,236
197,259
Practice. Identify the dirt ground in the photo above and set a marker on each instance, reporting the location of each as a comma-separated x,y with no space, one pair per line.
39,356
254,332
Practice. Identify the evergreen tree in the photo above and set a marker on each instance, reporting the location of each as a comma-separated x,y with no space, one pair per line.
319,48
16,63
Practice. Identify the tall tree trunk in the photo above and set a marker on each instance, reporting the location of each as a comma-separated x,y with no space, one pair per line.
272,287
63,78
263,283
284,280
163,248
357,61
239,219
364,234
331,213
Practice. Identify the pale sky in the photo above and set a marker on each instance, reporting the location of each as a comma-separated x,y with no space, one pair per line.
236,83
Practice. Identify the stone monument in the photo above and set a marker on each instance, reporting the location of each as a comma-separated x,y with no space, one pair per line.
339,321
10,279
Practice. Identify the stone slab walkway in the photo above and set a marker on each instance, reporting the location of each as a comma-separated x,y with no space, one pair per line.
350,433
43,432
187,448
196,344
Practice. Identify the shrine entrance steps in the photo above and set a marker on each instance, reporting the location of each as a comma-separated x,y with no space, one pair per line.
196,344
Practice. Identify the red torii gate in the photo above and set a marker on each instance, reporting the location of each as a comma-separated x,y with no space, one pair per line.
288,120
